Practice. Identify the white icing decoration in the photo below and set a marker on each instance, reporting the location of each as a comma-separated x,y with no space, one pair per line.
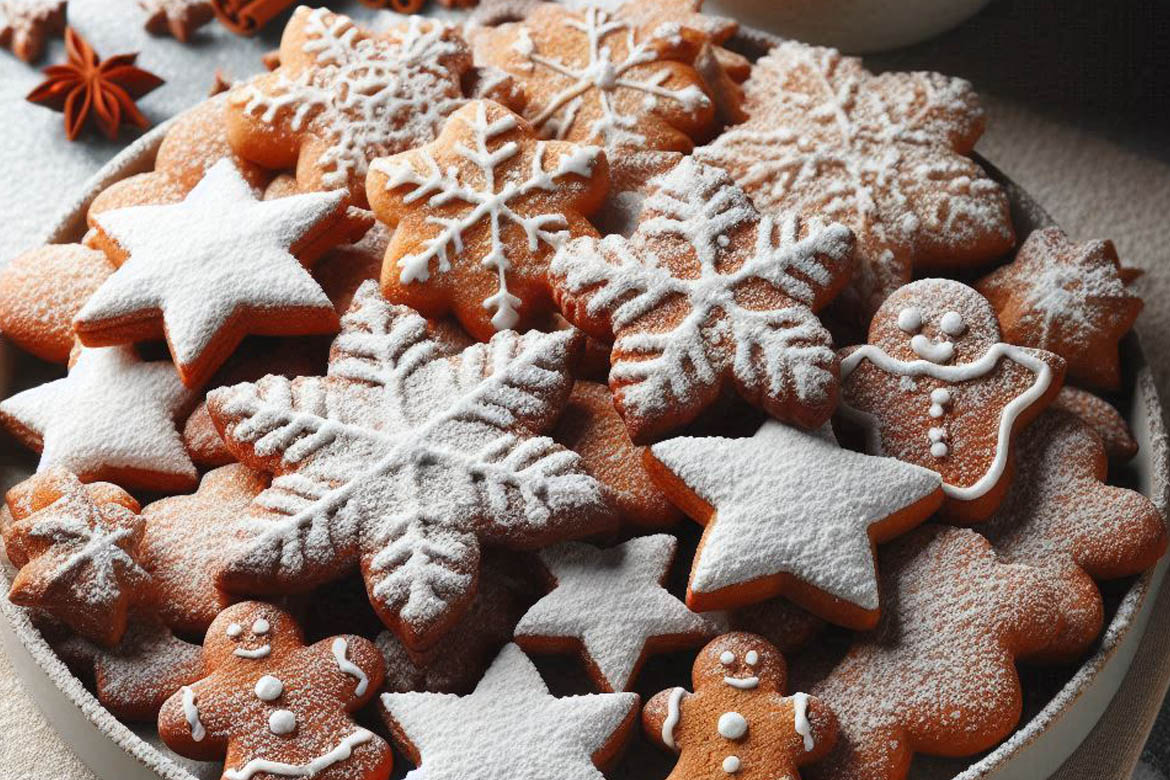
491,198
952,324
800,720
963,372
260,627
934,351
939,449
252,654
282,722
940,395
743,683
910,319
234,630
269,688
731,764
732,725
672,717
341,752
339,648
191,714
727,658
752,658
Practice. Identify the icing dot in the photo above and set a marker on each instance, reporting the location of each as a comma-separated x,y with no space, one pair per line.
727,658
939,450
940,395
752,658
937,434
234,630
910,319
269,688
952,323
261,626
936,410
723,240
732,725
731,764
282,722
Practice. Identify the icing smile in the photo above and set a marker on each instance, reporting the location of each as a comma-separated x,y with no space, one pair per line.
260,652
935,352
743,683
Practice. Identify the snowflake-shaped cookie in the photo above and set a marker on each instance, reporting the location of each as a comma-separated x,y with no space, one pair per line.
1067,298
26,24
509,727
478,213
610,604
598,76
406,457
708,293
885,155
344,95
78,550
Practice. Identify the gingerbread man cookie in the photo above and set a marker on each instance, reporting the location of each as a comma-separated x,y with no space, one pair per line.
739,722
478,213
1102,417
937,387
708,294
1067,298
270,706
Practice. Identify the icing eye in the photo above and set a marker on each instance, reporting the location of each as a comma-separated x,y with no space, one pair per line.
234,630
910,319
727,658
952,323
752,658
260,627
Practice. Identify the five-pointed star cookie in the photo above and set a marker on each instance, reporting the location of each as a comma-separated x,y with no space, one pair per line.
180,18
235,271
111,418
1067,298
789,511
25,25
509,727
479,213
610,604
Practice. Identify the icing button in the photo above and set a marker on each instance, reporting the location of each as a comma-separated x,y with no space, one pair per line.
732,725
282,722
731,764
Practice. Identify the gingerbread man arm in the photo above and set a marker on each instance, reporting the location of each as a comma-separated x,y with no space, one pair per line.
353,669
815,728
661,715
197,720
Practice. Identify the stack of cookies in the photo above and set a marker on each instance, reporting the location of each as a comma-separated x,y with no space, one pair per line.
422,355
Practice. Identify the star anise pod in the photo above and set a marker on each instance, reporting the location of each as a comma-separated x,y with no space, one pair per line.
88,87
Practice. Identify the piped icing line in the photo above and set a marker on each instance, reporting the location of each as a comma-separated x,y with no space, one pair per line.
672,717
963,372
340,647
191,713
341,752
743,683
800,720
260,652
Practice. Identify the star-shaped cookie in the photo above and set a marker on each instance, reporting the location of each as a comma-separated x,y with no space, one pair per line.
112,418
509,727
234,272
789,511
611,606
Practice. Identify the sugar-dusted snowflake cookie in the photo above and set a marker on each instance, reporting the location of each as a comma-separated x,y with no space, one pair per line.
790,512
738,722
269,705
510,727
239,269
77,549
478,213
41,290
25,25
705,294
113,417
405,458
1102,417
179,18
1067,298
617,78
343,95
885,155
937,676
937,387
1061,517
610,606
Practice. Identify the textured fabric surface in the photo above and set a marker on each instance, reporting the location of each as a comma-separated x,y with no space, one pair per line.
1075,90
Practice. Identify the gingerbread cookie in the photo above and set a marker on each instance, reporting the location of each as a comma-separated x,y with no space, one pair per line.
179,18
343,95
545,736
707,293
343,269
592,427
611,607
478,213
111,418
270,705
936,386
790,512
1099,415
937,675
885,155
42,290
405,458
738,722
620,78
1067,298
78,553
1061,517
25,25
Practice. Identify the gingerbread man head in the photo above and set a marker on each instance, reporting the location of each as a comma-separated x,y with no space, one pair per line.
938,320
742,661
269,704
